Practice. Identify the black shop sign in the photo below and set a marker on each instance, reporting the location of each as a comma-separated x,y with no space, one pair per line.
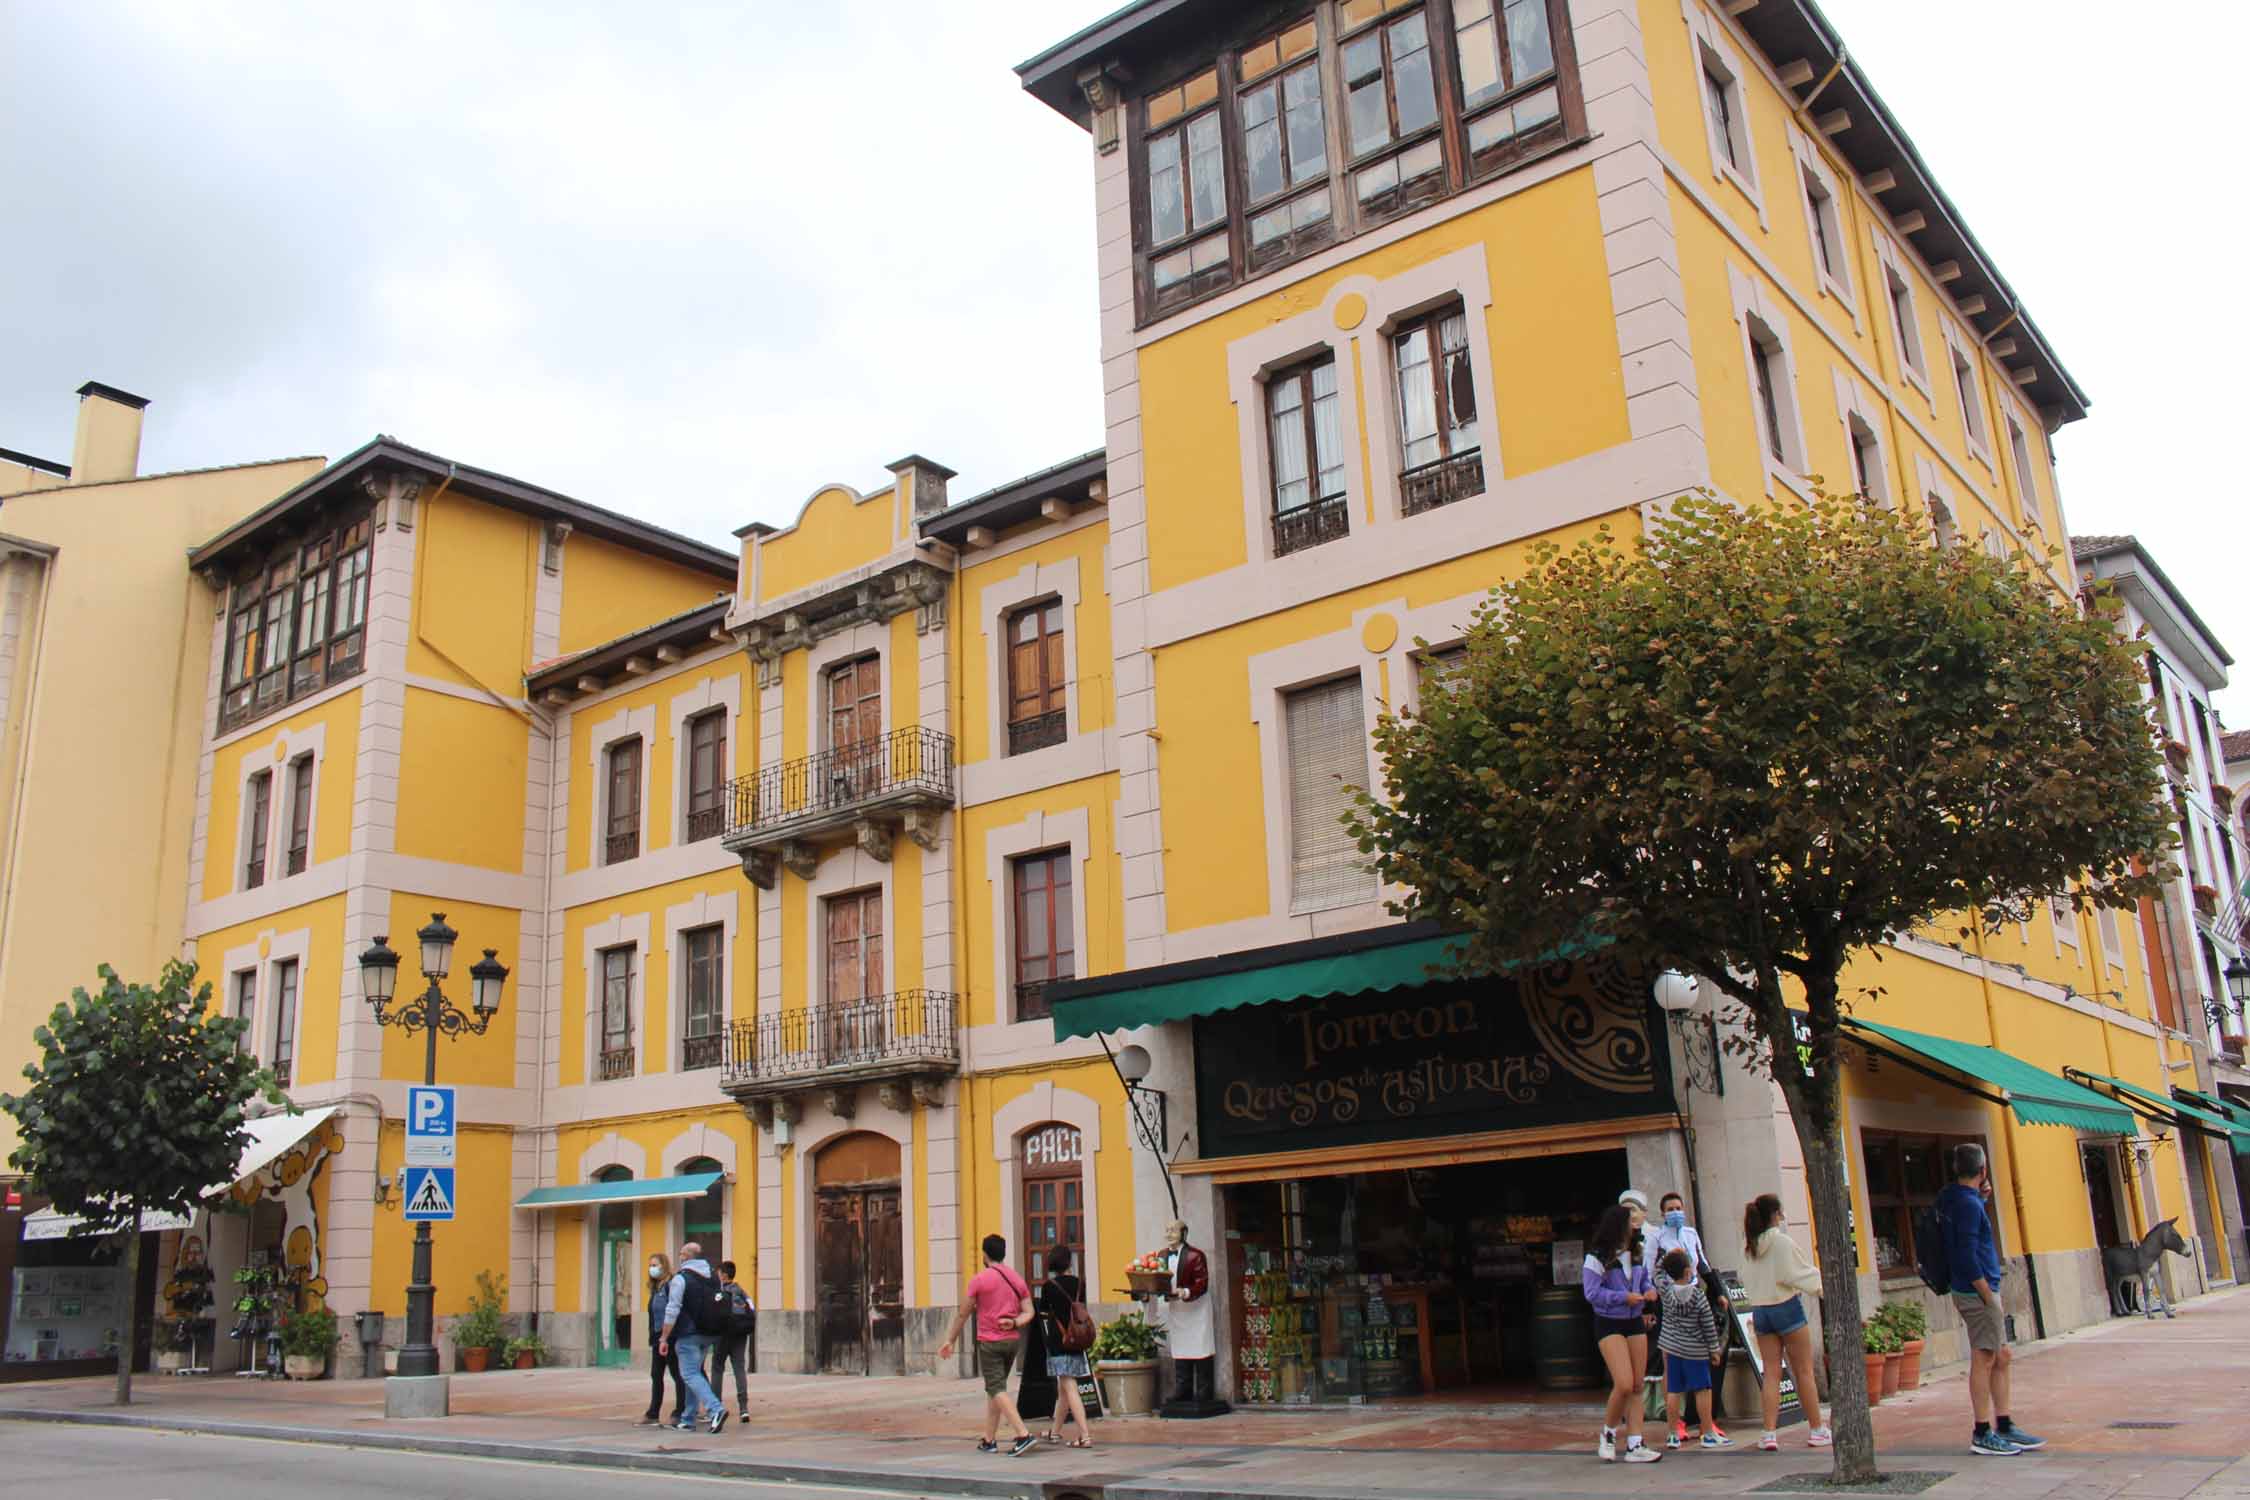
1567,1043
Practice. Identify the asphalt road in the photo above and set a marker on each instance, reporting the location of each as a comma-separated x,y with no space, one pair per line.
105,1463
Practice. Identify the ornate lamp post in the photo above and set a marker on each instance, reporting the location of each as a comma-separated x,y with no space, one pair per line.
430,1012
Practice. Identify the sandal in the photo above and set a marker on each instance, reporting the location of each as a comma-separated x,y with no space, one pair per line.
1080,1443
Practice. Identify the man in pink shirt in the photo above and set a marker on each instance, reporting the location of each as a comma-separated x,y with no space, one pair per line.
1002,1304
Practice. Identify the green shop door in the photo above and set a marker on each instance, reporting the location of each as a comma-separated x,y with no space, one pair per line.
622,1283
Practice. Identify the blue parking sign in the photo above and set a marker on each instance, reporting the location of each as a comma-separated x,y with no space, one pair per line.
429,1125
429,1194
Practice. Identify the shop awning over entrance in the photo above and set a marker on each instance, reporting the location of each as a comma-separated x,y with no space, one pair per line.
2037,1096
632,1190
2233,1113
1355,963
271,1136
2171,1111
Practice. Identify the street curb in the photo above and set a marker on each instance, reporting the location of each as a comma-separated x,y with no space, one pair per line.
921,1483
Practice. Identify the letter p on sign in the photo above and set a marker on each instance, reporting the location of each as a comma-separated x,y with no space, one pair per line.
429,1126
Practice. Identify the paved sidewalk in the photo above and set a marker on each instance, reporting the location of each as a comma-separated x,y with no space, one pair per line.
912,1435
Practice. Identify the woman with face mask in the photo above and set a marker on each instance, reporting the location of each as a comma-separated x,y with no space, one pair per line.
661,1360
1673,1232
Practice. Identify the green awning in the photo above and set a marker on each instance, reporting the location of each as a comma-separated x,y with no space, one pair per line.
2037,1096
2226,1109
2216,1122
1357,965
631,1190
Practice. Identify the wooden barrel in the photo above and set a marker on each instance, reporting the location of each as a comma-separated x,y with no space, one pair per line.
1562,1341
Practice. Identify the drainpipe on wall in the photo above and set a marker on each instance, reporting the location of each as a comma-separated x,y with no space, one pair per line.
539,1222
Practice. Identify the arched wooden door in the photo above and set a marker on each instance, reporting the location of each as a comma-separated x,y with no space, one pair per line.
859,1257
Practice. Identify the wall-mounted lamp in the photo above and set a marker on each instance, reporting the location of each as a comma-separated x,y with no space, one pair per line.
1680,997
1132,1065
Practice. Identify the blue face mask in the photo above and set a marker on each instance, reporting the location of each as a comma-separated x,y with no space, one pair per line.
1676,1219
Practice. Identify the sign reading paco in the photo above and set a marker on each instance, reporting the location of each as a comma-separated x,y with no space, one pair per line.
1565,1043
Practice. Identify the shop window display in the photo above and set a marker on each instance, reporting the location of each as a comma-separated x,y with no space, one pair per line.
1382,1284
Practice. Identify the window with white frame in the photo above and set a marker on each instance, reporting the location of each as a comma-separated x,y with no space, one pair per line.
243,1004
1723,114
703,997
1971,392
257,827
1440,457
1041,912
1773,394
1308,456
1905,326
621,837
2027,487
284,1020
1824,219
2065,918
707,774
1867,460
299,826
615,1055
1942,525
2113,936
1326,743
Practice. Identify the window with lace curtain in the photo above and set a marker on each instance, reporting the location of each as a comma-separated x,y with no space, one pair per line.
1308,456
1439,458
1326,730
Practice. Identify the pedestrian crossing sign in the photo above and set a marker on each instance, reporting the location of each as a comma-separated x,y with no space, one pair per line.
429,1194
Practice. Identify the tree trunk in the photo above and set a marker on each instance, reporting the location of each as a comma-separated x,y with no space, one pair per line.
1840,1324
132,1310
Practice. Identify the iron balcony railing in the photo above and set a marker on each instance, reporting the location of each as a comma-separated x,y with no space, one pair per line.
1309,525
616,1062
708,1050
906,765
1441,483
910,1031
1038,732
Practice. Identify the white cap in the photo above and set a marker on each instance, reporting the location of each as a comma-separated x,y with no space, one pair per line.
1635,1197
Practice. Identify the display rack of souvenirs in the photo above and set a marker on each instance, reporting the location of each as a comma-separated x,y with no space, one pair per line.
1278,1339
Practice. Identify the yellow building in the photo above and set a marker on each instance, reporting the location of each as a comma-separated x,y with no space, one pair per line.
98,717
368,757
1389,290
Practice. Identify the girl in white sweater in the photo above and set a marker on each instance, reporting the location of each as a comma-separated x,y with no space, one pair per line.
1777,1276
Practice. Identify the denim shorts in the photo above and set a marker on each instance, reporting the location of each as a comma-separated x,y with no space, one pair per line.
1779,1319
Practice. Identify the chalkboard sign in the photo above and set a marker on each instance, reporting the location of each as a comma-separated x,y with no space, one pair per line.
1738,1302
1546,1046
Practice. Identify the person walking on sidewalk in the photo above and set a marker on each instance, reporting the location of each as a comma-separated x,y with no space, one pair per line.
1972,1267
691,1319
1688,1334
738,1319
660,1360
1617,1288
1002,1305
1777,1276
1058,1296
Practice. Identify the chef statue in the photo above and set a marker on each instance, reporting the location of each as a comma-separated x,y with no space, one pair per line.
1191,1329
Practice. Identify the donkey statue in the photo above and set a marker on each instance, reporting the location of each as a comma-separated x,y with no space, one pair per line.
2131,1270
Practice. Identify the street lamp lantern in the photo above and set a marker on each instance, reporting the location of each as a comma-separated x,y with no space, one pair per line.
437,947
2238,982
486,976
378,973
1677,994
432,1014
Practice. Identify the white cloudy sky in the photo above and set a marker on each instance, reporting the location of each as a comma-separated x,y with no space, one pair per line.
691,261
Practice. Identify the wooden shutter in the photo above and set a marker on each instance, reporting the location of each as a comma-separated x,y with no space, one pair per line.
1327,747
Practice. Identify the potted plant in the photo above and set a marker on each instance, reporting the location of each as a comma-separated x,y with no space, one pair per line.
528,1352
1880,1344
2176,751
482,1329
307,1339
2222,797
1124,1356
1911,1322
171,1351
2207,900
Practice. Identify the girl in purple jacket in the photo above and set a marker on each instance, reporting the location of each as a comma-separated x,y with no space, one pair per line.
1617,1288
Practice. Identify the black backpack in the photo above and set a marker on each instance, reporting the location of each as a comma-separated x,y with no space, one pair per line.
1930,1258
699,1305
739,1317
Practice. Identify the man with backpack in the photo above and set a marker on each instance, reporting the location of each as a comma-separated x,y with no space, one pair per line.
1956,1254
692,1320
738,1320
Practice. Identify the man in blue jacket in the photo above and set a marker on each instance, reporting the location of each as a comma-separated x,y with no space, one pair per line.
1972,1263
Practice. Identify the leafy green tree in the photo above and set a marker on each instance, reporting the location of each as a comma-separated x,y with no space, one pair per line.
135,1108
1751,745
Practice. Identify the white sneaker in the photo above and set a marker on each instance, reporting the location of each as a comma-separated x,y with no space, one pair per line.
1819,1437
1608,1448
1641,1453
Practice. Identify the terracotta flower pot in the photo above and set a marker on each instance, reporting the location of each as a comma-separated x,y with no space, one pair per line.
474,1360
1875,1379
1910,1366
1893,1372
527,1361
